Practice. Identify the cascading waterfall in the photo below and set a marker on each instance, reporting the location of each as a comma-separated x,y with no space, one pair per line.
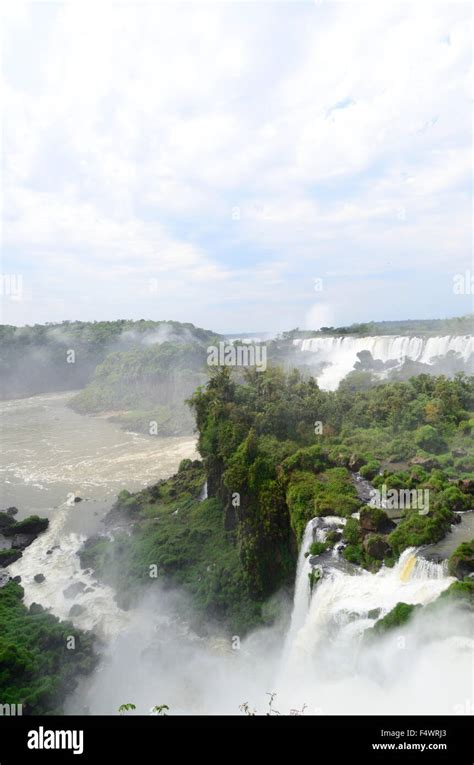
315,531
344,604
340,353
55,555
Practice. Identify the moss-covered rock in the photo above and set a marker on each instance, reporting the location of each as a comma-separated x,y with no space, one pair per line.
397,617
376,546
461,562
31,525
373,519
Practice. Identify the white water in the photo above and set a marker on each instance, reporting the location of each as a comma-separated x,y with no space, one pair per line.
320,661
61,568
340,353
340,603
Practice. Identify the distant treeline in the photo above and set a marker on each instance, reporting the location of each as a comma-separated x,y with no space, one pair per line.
462,325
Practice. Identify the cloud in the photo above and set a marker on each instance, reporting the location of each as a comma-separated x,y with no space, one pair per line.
340,132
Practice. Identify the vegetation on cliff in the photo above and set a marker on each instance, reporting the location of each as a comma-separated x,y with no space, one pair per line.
40,657
269,471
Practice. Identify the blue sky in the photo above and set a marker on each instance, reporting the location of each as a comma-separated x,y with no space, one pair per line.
208,162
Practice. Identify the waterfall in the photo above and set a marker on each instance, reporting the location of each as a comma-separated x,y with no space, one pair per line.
340,353
315,531
343,605
203,493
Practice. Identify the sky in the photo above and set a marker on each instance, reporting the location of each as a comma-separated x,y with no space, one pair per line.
241,166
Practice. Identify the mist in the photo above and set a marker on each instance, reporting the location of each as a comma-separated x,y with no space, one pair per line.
161,659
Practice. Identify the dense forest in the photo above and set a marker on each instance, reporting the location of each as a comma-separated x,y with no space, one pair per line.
55,357
269,470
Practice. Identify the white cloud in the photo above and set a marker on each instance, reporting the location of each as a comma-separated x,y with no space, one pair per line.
340,130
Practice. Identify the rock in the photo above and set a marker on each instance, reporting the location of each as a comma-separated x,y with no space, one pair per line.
74,589
39,578
374,519
459,452
11,511
76,610
9,556
5,521
355,462
376,547
467,486
425,462
17,579
50,552
461,562
4,578
77,499
21,541
374,613
32,525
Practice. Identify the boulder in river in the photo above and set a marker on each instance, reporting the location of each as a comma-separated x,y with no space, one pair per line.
31,525
22,541
461,562
6,521
9,556
76,610
74,589
39,578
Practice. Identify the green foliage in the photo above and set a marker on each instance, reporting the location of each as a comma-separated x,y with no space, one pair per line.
147,385
257,442
126,708
36,667
397,617
351,532
416,530
460,592
354,554
429,438
31,525
461,561
316,548
45,347
370,470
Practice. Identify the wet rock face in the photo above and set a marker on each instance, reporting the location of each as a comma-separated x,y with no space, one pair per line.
76,610
22,541
9,556
4,578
